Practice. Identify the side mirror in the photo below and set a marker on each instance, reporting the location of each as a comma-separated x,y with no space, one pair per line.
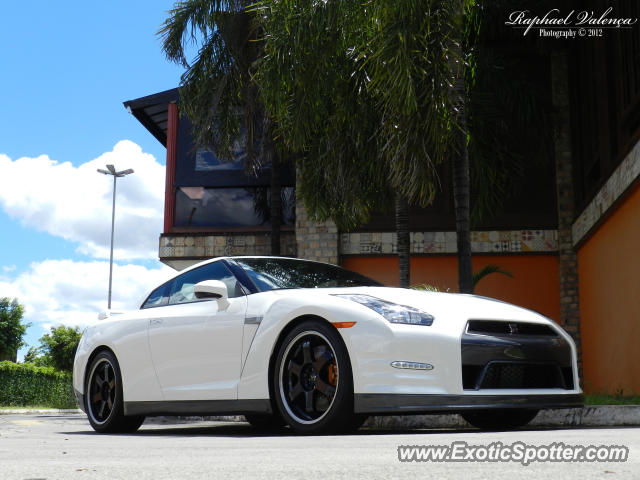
212,289
106,314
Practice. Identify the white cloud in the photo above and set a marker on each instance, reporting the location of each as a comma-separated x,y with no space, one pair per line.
67,292
75,202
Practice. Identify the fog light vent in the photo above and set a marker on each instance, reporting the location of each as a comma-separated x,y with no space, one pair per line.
411,365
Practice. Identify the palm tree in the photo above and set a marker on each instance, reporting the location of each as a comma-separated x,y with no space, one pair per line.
217,90
403,240
372,99
461,173
365,94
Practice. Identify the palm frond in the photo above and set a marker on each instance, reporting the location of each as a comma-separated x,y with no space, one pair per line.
217,91
488,270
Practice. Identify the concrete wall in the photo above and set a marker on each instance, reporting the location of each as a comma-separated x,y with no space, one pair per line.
609,282
535,283
315,241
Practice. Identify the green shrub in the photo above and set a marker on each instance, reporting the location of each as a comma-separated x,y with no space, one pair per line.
27,385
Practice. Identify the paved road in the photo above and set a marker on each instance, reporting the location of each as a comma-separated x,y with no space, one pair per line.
65,447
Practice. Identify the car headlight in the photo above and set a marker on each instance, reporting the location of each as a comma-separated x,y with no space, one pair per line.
393,312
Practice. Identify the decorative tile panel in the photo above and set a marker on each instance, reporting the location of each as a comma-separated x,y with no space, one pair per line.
438,243
201,247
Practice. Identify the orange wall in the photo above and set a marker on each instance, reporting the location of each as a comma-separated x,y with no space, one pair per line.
535,284
609,278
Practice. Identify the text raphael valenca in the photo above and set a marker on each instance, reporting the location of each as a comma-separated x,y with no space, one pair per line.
553,18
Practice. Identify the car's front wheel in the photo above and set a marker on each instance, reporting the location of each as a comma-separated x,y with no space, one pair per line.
103,397
312,380
499,419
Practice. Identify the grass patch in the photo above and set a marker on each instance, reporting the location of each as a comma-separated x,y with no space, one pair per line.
603,399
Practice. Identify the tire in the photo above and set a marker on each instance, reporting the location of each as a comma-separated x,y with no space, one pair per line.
313,384
265,423
499,419
103,397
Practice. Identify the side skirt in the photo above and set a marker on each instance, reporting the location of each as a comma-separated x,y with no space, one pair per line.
198,407
391,404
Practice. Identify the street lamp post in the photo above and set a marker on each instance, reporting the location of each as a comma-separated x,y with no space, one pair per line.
111,170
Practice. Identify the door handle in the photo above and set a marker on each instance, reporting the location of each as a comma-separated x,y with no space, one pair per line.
155,322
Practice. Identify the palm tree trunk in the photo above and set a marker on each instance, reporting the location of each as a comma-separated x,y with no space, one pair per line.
270,156
276,204
402,231
461,201
461,187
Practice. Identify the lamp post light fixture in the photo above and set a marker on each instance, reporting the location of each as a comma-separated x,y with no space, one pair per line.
111,170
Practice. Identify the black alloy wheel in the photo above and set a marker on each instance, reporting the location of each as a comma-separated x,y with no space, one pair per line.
313,383
102,391
103,397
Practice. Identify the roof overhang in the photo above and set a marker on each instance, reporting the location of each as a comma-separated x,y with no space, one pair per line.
152,111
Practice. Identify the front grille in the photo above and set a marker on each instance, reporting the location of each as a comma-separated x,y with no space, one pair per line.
567,375
503,355
494,327
516,375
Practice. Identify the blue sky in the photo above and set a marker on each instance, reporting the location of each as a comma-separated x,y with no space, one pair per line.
66,69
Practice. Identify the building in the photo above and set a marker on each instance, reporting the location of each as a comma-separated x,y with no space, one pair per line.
570,234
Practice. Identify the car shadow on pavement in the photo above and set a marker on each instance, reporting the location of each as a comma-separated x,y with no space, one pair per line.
244,430
241,429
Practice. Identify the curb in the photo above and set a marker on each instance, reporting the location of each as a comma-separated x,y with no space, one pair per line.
589,416
38,411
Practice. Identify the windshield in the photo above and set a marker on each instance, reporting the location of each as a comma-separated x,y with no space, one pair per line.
276,273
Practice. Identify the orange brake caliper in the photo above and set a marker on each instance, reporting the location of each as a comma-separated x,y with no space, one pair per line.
333,374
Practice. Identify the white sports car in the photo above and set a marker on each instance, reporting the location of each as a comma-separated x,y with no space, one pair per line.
318,348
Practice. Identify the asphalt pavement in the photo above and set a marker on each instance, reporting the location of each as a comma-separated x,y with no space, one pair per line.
64,446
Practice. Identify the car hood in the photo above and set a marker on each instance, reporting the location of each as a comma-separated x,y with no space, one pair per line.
438,304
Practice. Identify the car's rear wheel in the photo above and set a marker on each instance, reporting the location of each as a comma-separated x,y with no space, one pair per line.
312,380
103,397
499,419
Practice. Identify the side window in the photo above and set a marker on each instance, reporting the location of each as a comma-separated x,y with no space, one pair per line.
182,287
158,297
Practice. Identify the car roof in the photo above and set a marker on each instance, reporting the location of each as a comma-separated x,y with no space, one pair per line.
234,257
217,259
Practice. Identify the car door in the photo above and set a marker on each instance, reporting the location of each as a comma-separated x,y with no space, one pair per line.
196,345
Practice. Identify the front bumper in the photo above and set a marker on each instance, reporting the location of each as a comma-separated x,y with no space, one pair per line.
399,404
79,400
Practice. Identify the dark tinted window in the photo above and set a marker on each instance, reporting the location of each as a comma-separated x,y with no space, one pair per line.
230,207
181,289
158,297
276,273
